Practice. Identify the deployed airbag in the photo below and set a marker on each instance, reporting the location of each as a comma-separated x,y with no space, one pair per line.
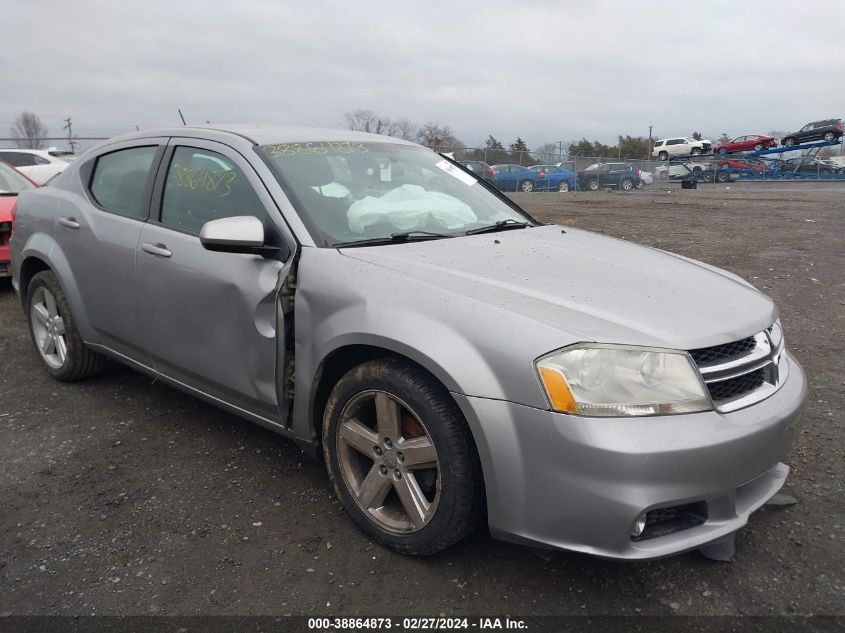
410,207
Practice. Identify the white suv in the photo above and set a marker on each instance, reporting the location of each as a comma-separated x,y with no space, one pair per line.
39,164
680,146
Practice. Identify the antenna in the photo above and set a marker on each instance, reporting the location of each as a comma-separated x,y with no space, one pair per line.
181,116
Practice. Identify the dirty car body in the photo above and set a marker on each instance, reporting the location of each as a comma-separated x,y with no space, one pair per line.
620,401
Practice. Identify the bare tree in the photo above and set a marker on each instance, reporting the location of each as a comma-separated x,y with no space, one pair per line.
368,121
438,137
546,153
28,131
404,129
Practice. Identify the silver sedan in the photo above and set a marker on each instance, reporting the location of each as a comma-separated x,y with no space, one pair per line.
453,361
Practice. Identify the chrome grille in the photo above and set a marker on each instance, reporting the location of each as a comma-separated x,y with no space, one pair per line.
739,386
740,373
722,353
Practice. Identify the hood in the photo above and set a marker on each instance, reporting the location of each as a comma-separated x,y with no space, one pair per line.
592,287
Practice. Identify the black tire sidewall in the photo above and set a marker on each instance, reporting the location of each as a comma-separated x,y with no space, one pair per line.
72,367
458,507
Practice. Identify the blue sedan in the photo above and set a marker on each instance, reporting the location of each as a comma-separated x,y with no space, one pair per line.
518,178
557,178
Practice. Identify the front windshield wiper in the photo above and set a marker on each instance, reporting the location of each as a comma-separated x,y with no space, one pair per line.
394,238
501,225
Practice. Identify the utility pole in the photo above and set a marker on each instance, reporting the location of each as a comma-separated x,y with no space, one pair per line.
560,151
650,148
70,140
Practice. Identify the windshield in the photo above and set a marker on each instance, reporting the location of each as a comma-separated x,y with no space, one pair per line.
350,191
12,182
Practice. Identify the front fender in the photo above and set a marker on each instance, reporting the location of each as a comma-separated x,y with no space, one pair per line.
470,346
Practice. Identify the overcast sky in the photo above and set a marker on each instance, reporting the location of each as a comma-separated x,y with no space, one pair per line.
546,71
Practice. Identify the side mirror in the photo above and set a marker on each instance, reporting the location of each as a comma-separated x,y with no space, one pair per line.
238,234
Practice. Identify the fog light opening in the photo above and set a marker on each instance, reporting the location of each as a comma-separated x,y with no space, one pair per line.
639,526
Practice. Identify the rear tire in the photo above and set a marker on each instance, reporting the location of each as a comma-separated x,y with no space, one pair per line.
54,334
593,184
663,156
695,151
788,141
707,176
758,147
722,176
627,184
829,136
394,406
563,186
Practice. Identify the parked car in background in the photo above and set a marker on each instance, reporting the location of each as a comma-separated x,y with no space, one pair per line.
679,146
480,169
37,164
749,167
454,362
614,175
12,182
518,178
826,130
807,166
752,142
558,178
646,178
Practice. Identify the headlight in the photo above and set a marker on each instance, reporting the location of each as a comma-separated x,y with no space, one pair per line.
613,381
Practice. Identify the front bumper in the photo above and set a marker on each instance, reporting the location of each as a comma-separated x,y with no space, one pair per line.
575,483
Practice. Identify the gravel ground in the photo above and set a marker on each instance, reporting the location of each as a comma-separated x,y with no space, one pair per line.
122,496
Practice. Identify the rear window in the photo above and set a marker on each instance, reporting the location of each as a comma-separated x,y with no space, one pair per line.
120,180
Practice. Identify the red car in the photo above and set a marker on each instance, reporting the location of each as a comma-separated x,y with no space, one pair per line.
740,163
12,182
752,142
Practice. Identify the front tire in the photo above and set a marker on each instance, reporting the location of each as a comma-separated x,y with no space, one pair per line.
526,186
707,176
695,151
663,156
758,147
401,458
722,176
54,334
788,141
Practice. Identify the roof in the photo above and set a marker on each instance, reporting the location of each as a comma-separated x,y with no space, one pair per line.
266,135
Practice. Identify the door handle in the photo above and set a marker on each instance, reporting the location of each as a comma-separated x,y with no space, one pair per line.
156,249
70,223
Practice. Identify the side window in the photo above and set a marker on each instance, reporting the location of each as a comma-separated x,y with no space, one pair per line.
20,159
202,186
40,160
120,178
658,144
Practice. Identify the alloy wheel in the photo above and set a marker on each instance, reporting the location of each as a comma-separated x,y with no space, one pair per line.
564,185
48,327
388,462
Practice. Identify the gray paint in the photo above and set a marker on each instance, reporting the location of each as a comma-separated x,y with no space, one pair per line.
475,311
